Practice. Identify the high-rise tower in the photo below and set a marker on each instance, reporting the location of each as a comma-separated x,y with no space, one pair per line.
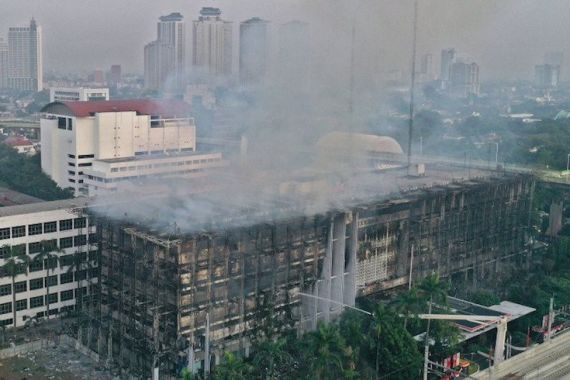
25,66
253,50
165,58
212,42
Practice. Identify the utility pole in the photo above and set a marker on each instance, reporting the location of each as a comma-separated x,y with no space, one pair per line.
412,86
550,318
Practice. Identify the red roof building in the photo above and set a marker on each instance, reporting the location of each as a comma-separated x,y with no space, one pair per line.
160,108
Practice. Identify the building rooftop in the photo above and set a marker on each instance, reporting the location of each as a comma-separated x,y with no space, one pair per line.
17,141
10,197
164,108
174,16
40,206
210,11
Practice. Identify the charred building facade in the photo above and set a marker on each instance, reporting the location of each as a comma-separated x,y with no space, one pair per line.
171,299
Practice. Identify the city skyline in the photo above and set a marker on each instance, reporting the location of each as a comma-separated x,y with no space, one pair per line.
474,26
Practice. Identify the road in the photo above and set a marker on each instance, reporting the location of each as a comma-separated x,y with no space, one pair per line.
547,361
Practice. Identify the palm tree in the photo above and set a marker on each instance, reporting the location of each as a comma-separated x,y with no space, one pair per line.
331,357
376,330
408,304
434,290
13,267
232,368
272,360
47,254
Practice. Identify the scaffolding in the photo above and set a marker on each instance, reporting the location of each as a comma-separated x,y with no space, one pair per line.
171,300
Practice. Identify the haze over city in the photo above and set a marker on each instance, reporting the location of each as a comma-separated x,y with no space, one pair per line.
501,35
284,189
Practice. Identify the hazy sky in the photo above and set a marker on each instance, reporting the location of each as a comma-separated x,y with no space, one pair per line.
506,37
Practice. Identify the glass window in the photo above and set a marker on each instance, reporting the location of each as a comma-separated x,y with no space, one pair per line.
18,231
80,240
21,305
50,245
4,252
5,290
66,260
6,322
50,227
35,229
53,298
4,233
65,225
36,301
79,222
66,295
66,242
36,283
36,265
52,280
5,308
34,247
69,124
61,122
66,278
21,286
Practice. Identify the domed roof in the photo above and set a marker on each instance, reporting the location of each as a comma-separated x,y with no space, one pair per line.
359,142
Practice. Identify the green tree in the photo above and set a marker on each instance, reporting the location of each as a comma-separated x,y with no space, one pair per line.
16,264
409,304
327,355
271,359
232,367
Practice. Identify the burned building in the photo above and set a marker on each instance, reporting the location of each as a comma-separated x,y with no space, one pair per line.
175,295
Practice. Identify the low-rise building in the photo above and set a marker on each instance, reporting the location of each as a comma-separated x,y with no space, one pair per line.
64,94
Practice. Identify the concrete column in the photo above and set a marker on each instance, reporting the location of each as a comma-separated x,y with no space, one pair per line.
324,283
338,261
349,296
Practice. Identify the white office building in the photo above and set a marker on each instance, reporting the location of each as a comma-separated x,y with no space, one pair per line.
65,94
25,65
212,43
50,243
92,146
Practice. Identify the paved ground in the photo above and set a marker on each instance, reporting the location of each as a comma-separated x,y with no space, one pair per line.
56,362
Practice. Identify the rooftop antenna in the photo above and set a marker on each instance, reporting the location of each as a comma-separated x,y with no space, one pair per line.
412,86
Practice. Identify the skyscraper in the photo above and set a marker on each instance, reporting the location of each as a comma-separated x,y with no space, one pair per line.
547,76
448,57
3,63
212,42
426,67
165,58
25,71
253,50
465,79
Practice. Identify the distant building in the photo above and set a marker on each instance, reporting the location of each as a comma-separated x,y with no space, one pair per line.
92,146
547,76
25,65
165,58
3,63
554,58
64,94
464,79
448,58
115,75
426,68
212,43
21,144
253,50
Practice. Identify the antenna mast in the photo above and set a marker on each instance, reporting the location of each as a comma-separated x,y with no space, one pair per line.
412,86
